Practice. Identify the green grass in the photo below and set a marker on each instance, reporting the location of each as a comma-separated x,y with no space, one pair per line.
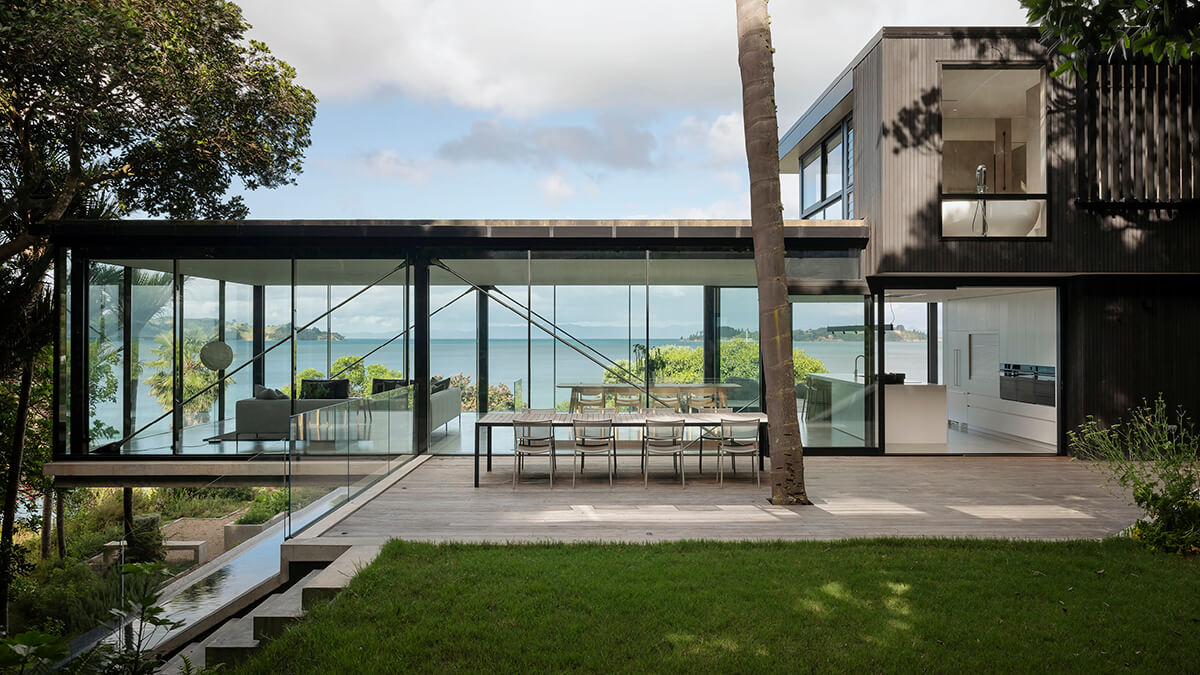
877,605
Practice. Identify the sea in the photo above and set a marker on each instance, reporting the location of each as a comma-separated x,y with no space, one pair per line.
538,365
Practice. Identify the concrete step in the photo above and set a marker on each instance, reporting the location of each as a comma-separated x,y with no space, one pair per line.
195,655
231,643
280,610
331,580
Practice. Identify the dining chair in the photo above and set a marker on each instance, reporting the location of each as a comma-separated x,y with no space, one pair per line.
586,397
738,437
703,398
710,433
662,436
592,435
664,400
630,402
533,434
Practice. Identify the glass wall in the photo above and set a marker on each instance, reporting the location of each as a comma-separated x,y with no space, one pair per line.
106,353
993,152
682,324
151,321
832,338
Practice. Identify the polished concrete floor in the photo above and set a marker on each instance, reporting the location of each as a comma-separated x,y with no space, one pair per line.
976,497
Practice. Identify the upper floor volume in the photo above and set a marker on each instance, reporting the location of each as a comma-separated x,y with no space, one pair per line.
965,156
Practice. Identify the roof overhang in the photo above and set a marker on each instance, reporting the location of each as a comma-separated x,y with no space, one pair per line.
381,238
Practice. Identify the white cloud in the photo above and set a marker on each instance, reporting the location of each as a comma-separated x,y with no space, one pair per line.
389,164
555,188
721,141
722,209
613,141
532,56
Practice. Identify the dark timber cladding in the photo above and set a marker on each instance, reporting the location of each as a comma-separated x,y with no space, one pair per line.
1130,338
1144,145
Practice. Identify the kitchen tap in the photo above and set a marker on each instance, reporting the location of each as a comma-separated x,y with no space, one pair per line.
864,358
981,179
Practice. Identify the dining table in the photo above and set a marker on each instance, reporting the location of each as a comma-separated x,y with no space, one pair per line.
487,422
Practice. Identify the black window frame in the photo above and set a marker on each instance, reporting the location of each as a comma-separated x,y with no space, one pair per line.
843,135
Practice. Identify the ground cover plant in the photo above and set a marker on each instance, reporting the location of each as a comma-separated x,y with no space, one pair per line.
876,605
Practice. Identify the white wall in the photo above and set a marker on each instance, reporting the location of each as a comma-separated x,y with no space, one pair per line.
1025,323
1025,328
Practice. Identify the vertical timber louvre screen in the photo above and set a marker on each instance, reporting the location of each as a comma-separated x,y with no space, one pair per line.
1139,145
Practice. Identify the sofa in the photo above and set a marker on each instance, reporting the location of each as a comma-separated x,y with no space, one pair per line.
444,407
269,419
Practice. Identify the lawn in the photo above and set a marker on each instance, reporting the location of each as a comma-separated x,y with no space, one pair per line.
877,605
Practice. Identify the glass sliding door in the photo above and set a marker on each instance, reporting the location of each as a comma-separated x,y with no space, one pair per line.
833,358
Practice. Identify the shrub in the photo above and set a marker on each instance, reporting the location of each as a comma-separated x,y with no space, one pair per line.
1153,454
146,541
264,507
63,597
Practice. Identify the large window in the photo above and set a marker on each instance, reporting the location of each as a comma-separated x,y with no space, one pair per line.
993,152
827,177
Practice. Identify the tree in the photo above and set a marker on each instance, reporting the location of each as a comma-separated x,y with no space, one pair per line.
766,220
197,377
160,105
1077,29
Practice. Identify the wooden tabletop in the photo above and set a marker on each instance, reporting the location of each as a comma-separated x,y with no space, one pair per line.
621,419
656,385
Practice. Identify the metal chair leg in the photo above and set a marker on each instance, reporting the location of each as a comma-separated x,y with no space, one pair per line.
516,467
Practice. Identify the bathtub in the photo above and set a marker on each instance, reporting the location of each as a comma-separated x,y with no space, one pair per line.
1003,218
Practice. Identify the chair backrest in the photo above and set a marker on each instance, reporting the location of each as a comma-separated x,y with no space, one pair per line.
715,411
382,384
329,389
633,401
662,400
590,408
532,430
592,427
739,432
664,431
701,399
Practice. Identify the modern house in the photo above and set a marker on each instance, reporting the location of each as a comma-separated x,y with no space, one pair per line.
1045,229
1049,226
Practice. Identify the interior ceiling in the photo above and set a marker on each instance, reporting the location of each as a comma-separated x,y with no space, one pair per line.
949,294
986,93
483,272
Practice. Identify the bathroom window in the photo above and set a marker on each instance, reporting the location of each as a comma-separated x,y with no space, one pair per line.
993,152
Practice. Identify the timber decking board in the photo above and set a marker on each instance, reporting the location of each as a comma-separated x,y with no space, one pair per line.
1022,498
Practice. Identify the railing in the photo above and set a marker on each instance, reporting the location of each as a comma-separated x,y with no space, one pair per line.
345,448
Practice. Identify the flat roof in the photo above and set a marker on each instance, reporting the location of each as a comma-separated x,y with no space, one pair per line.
128,236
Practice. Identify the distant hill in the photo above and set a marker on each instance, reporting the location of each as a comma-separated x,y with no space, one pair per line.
237,330
898,334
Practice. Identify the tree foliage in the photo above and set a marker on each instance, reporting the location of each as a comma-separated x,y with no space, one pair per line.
680,364
163,103
1076,29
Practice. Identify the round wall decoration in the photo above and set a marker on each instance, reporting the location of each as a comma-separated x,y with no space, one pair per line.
216,355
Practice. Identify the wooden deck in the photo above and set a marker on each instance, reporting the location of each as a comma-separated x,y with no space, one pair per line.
978,497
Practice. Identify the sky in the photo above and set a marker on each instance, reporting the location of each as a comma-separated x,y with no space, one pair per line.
552,108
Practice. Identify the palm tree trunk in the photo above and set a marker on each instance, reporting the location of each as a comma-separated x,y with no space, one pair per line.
12,485
766,219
